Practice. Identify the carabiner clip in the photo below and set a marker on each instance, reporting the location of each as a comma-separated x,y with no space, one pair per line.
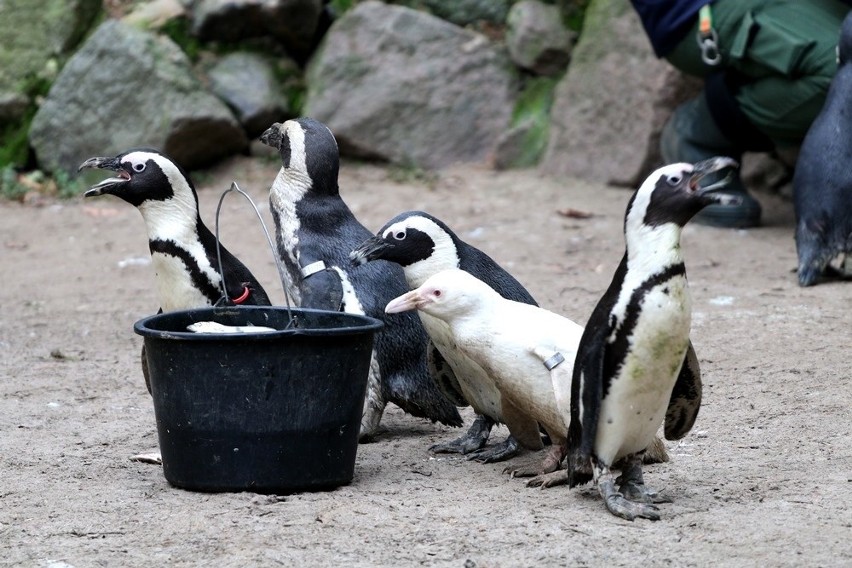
709,45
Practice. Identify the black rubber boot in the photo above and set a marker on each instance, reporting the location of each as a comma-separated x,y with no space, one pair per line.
691,135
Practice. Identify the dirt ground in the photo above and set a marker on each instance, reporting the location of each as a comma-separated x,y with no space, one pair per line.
764,478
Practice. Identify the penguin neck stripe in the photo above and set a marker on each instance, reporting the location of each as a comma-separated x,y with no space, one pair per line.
620,339
199,279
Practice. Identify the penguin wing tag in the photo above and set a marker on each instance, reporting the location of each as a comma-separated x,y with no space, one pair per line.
313,268
554,361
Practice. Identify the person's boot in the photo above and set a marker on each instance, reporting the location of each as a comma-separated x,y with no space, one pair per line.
691,135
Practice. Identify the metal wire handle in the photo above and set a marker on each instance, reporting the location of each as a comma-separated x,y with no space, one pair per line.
281,274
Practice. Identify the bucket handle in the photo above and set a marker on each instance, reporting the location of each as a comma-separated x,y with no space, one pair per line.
293,321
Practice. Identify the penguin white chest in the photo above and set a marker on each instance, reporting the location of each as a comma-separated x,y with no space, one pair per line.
635,405
174,284
476,385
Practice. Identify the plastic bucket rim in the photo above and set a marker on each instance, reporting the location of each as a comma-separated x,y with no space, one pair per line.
370,324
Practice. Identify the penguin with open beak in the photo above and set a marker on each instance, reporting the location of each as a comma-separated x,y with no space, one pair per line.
635,366
183,250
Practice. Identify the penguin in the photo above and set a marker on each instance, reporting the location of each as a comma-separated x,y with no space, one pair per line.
518,345
822,181
315,231
183,249
636,365
424,245
500,336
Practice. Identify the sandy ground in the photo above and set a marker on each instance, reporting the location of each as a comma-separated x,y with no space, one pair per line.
764,479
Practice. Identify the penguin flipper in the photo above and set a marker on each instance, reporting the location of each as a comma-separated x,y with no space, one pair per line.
686,398
444,375
322,290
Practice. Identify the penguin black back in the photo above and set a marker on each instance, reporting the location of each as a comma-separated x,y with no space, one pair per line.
822,182
315,231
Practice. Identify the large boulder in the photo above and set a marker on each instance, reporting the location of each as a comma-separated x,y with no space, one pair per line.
126,87
293,22
536,37
404,86
612,104
248,83
35,32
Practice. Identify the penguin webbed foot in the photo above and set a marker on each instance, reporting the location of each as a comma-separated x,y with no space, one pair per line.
618,503
475,438
540,469
547,480
506,449
632,486
620,506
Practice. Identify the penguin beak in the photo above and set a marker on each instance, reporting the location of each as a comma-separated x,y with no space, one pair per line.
708,192
371,249
110,184
272,136
408,301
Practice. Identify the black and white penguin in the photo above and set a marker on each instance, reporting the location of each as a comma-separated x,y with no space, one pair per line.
635,365
183,249
424,245
822,182
315,231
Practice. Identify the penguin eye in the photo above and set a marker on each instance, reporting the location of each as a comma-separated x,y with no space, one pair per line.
138,167
674,180
399,235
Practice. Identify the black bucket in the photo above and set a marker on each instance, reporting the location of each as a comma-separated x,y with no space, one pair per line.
271,412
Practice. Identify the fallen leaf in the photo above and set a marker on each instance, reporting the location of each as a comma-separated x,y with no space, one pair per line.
575,213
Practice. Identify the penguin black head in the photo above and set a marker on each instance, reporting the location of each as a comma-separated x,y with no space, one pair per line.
409,238
673,194
308,151
142,175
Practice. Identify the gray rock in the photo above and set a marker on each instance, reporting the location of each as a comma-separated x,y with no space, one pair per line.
537,39
611,105
247,83
292,22
126,87
404,86
466,12
35,32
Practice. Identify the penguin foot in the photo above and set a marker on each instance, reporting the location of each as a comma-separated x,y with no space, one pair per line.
549,464
617,503
506,449
474,439
638,493
620,506
552,479
632,485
